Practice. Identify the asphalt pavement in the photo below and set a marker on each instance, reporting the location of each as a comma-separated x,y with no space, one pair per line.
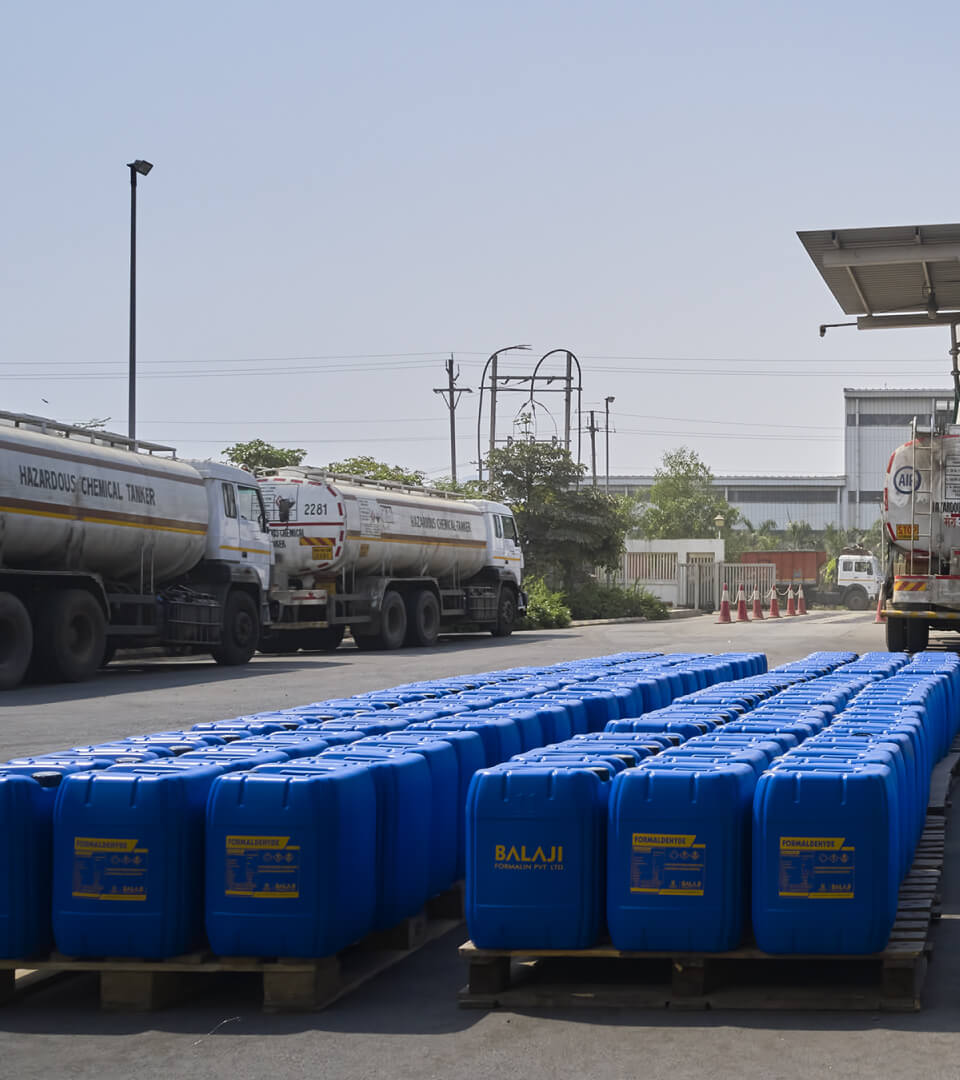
406,1023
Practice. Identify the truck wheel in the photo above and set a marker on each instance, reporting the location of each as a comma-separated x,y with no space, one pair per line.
393,620
856,598
918,635
423,619
506,614
71,636
896,634
16,641
324,639
241,630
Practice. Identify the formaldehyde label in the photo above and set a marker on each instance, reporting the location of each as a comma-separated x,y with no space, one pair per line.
109,868
263,867
817,867
668,864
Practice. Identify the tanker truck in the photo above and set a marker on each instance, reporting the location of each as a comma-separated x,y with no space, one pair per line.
107,542
921,517
394,562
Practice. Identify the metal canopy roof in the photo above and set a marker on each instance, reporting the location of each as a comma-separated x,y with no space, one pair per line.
903,275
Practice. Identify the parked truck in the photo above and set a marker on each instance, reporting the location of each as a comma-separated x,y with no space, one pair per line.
859,575
107,542
921,517
396,563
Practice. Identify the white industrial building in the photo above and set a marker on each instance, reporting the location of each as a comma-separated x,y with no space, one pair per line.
876,422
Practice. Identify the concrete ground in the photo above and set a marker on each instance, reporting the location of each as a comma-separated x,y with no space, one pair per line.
405,1023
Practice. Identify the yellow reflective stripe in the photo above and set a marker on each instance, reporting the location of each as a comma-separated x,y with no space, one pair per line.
250,551
102,521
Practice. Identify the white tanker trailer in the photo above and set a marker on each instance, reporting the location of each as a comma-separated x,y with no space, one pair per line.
396,563
106,542
921,517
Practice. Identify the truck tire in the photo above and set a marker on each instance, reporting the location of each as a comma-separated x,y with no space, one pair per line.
71,636
324,639
855,598
896,634
506,613
918,635
423,619
393,625
16,641
241,630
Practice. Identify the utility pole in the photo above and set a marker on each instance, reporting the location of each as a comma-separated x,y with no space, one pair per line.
593,446
608,401
493,407
567,401
451,395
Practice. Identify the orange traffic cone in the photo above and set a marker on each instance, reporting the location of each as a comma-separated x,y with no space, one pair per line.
741,605
791,606
774,604
725,605
881,614
757,605
801,602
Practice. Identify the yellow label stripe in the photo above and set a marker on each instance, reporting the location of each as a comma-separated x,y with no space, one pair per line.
250,551
263,895
75,516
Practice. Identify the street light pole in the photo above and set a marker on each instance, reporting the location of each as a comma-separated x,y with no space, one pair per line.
141,168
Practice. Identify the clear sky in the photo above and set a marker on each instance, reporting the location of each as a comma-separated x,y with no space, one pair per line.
345,193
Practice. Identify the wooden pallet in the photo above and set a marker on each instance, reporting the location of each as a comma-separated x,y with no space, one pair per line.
289,985
744,978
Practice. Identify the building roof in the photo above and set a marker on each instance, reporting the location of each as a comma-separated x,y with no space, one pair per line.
779,479
915,391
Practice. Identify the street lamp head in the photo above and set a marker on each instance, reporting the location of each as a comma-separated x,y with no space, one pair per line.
609,400
142,167
719,520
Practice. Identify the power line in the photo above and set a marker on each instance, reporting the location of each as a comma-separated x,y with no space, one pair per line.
305,420
739,423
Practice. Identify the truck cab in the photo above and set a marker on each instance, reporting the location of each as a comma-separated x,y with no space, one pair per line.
859,578
502,538
237,533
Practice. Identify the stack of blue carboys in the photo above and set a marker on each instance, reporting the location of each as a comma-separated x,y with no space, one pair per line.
658,799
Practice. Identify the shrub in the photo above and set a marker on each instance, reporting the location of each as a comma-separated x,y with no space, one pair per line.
545,608
591,600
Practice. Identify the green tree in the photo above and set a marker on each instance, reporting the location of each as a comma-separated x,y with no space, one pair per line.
566,531
371,469
747,537
470,489
800,536
258,454
683,501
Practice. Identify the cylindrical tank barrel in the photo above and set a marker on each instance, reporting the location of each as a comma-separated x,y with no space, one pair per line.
72,505
320,527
